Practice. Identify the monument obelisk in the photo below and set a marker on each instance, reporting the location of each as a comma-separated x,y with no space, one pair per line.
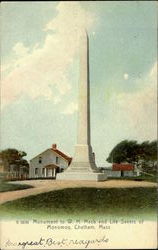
83,165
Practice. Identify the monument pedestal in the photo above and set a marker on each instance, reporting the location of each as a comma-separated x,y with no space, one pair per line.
85,176
83,166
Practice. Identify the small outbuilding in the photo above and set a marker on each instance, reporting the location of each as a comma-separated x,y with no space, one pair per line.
122,170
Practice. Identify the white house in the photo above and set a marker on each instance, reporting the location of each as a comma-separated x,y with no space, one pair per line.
48,163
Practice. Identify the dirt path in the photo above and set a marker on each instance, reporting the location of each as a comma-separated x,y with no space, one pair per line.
42,186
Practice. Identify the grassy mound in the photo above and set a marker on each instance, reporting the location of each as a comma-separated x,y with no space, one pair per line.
86,201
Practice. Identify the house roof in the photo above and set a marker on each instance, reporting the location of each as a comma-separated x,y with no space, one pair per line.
57,152
66,157
122,167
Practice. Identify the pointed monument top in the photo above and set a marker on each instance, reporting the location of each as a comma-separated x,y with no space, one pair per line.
86,32
83,34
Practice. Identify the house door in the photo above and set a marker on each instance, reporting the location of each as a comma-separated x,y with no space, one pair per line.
50,172
122,174
57,170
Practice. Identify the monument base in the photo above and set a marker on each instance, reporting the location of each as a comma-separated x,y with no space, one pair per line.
79,176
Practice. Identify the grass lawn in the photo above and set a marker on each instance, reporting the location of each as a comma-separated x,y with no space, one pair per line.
5,186
85,201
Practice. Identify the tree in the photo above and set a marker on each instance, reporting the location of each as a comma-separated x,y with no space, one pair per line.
143,155
149,156
124,151
153,150
13,157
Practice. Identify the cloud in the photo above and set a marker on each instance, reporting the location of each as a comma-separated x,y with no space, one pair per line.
57,99
20,49
126,76
72,17
45,70
137,110
70,108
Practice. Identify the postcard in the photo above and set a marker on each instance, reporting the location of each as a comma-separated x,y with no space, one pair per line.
78,159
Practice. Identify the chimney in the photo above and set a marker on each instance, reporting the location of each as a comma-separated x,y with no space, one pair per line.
54,146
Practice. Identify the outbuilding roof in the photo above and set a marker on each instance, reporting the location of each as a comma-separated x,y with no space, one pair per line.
122,167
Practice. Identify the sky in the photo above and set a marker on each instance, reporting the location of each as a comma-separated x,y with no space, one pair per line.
40,74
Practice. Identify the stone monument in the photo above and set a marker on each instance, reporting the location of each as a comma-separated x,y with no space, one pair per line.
83,165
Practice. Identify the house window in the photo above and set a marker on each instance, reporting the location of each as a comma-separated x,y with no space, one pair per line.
57,160
42,171
36,171
40,159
